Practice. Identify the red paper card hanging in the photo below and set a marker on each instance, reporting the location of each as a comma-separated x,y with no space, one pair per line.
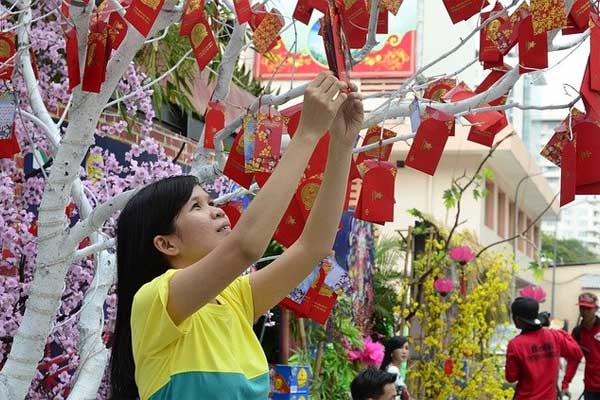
374,134
488,51
234,166
203,43
72,55
591,98
193,13
214,121
493,77
9,145
322,305
354,17
307,193
267,33
533,49
588,152
303,11
568,173
552,151
391,5
259,12
507,34
483,120
234,210
377,192
7,50
438,89
293,114
462,10
334,47
142,14
595,49
580,13
242,10
547,15
291,225
95,59
486,137
117,30
382,22
572,28
267,145
427,147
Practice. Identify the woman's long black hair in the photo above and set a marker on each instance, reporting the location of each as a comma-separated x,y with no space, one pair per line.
148,213
394,343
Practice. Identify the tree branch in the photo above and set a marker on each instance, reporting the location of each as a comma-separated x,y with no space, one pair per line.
371,35
95,248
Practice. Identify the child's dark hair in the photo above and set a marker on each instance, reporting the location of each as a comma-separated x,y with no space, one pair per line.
370,383
394,343
149,213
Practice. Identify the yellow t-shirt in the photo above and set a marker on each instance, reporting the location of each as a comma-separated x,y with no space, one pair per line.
213,354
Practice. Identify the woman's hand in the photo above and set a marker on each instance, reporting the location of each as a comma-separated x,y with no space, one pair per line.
349,119
321,104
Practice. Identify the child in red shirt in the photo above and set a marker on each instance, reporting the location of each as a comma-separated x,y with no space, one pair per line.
532,357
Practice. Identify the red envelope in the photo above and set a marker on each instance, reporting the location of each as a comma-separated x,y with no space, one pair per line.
259,12
303,11
591,98
214,121
193,13
267,33
117,30
355,21
568,173
293,114
552,151
291,225
203,43
483,120
572,28
462,10
94,71
593,188
234,210
588,152
307,193
377,193
493,77
486,137
7,50
242,10
382,22
336,45
533,49
72,55
142,14
508,32
322,300
9,146
391,5
381,153
438,88
267,144
595,49
580,13
488,51
235,165
547,15
427,147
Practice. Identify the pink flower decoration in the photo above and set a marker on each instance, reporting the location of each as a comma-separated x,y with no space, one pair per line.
371,354
462,254
534,292
443,285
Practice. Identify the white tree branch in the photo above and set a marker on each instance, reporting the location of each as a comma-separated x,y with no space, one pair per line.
371,34
95,248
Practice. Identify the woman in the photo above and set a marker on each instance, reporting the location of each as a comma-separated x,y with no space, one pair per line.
396,352
184,318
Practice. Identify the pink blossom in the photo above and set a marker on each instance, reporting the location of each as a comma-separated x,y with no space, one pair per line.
534,292
371,354
443,285
462,254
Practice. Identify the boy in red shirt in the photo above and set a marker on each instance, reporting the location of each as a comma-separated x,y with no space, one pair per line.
587,334
532,357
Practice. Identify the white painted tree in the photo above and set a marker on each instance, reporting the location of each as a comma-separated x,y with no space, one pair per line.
57,243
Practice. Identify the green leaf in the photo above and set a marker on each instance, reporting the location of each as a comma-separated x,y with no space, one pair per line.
449,198
487,173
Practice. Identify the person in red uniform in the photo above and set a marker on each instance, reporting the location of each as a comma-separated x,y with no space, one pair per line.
532,357
587,334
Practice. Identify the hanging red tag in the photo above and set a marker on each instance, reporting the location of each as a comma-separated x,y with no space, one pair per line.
291,225
203,43
568,173
595,49
307,193
193,13
259,12
214,121
533,49
142,14
547,15
374,134
267,33
7,51
233,209
591,98
267,144
427,147
354,17
572,28
580,13
95,59
303,11
486,136
8,111
462,10
438,89
391,5
377,192
493,77
292,114
242,10
484,119
488,51
117,30
587,134
553,149
382,22
72,50
507,34
9,145
234,167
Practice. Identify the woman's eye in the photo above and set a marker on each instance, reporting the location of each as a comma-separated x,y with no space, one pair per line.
211,203
196,205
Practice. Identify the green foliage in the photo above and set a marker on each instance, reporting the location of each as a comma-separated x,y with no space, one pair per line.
451,196
568,251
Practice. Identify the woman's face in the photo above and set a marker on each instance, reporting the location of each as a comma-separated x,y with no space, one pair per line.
401,353
199,228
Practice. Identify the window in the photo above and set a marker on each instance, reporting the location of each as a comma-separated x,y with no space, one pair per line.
490,215
501,214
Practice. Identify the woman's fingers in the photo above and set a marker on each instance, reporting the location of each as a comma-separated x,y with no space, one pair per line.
338,86
320,78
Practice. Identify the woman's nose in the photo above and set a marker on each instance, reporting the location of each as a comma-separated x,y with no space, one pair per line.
218,213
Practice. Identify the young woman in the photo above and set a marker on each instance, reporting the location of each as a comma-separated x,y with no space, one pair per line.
184,318
396,352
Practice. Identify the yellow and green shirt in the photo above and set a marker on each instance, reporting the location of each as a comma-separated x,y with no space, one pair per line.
213,354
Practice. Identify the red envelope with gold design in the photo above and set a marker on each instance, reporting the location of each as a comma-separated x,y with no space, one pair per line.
591,98
72,55
267,143
142,14
572,28
293,114
427,147
323,300
203,43
580,13
533,48
291,225
377,193
588,152
117,30
552,151
382,22
334,47
488,51
483,120
9,145
303,11
235,165
234,210
94,71
354,15
214,121
307,193
267,32
392,6
595,49
193,13
568,172
242,10
374,134
508,32
462,10
493,77
7,50
486,137
547,15
438,88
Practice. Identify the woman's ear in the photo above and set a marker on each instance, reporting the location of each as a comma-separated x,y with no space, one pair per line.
166,245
